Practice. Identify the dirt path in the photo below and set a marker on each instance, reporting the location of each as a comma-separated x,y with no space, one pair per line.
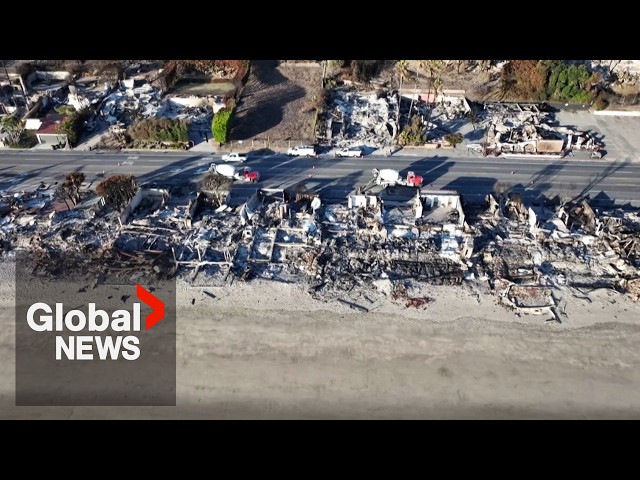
274,103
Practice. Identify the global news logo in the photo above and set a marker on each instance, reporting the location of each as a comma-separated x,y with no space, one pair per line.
41,317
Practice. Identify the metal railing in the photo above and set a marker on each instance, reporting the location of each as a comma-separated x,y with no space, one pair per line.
262,144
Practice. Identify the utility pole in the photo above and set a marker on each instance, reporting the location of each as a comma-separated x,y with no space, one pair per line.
6,72
401,72
324,71
4,94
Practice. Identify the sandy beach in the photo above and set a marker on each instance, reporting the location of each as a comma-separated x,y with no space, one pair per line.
268,350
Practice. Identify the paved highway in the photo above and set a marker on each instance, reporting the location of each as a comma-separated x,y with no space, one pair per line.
474,177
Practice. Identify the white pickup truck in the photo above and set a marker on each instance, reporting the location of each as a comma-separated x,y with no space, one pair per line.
302,151
350,152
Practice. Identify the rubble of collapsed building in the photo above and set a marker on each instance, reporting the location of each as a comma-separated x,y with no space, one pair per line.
46,84
277,223
389,239
355,118
47,91
277,233
625,72
439,114
159,232
136,99
210,231
116,105
383,240
60,241
22,212
519,128
572,248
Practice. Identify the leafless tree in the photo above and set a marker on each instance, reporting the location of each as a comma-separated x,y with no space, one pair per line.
64,193
75,180
69,189
613,65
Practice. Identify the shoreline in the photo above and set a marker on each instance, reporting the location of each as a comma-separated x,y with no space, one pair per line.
257,296
269,350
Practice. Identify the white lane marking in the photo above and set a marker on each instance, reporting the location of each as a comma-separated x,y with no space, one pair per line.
135,157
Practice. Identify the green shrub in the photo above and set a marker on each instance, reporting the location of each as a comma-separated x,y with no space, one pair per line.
64,110
582,97
27,139
413,133
454,139
167,130
570,83
72,126
220,125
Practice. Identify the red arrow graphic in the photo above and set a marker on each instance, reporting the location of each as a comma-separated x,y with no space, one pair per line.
154,302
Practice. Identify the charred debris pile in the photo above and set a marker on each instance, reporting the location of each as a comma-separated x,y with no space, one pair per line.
529,257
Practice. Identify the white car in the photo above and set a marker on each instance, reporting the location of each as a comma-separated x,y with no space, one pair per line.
350,152
234,157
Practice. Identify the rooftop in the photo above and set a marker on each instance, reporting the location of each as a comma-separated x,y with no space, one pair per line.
50,123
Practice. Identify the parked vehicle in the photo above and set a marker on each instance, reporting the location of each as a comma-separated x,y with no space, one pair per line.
350,152
390,178
302,151
234,157
237,173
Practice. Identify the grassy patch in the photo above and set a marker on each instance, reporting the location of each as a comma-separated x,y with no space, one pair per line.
222,88
160,130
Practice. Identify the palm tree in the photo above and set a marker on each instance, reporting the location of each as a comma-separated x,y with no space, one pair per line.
414,94
435,69
402,71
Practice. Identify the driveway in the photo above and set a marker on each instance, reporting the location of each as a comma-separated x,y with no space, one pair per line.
620,134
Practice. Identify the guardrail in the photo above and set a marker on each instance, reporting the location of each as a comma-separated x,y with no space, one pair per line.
259,144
